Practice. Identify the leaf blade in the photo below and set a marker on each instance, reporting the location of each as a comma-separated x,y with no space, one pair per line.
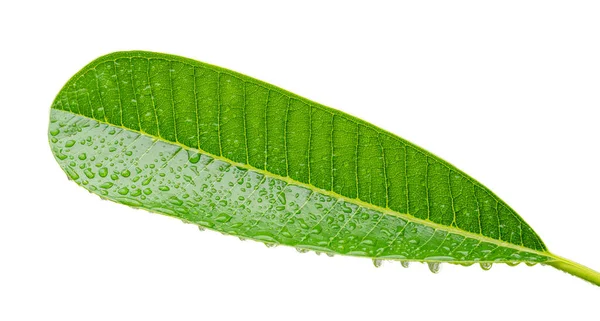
192,113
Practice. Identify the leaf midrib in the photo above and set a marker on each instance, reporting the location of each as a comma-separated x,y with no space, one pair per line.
356,201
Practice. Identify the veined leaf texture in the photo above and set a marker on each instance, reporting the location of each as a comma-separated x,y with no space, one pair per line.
231,153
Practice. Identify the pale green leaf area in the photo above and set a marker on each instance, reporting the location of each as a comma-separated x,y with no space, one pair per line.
233,154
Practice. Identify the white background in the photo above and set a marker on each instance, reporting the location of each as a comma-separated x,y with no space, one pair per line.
508,91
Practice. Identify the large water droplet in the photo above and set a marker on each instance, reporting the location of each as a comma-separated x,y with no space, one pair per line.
193,157
377,263
434,267
486,266
281,198
405,264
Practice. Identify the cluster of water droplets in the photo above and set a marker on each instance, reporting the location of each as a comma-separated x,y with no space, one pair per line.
211,193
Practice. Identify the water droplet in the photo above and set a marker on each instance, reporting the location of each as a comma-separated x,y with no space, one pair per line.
270,245
82,156
107,185
71,173
242,238
530,263
512,263
405,264
346,209
301,250
147,181
70,143
201,228
281,198
125,173
164,188
329,254
377,263
223,218
434,267
103,172
486,266
175,201
55,132
123,191
88,172
193,157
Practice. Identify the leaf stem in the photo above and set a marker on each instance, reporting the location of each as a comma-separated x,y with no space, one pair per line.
575,269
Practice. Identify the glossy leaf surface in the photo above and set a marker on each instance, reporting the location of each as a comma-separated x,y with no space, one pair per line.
234,154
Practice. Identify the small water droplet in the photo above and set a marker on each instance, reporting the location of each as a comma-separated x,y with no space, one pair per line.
55,132
201,228
346,209
242,238
512,263
89,173
71,174
405,264
107,185
123,191
103,172
175,201
125,173
301,250
434,267
530,263
223,218
270,245
70,143
377,263
486,266
329,254
164,188
82,156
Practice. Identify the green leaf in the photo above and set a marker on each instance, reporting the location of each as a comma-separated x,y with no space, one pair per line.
230,153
